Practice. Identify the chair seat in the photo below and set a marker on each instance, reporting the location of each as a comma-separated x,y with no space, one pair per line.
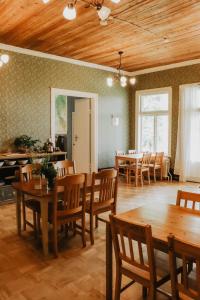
162,266
142,168
97,206
33,205
154,166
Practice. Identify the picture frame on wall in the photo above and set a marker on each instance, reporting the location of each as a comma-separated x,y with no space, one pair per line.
58,113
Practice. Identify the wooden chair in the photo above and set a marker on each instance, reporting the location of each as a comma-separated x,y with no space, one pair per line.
103,197
135,257
143,168
26,176
157,165
72,208
65,167
122,165
188,200
187,287
131,151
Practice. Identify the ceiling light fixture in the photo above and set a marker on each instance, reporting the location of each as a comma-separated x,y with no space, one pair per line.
123,80
103,12
4,59
69,12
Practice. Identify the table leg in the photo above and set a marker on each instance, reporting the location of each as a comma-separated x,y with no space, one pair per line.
136,172
116,162
109,272
18,212
44,217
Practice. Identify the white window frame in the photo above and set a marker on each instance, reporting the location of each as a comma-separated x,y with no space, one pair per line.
138,95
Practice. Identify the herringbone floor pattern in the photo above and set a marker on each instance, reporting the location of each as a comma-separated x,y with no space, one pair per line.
78,274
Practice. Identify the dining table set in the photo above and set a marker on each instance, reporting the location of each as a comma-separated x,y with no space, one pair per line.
181,221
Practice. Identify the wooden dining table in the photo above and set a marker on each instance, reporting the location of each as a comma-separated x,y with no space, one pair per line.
164,219
131,158
43,196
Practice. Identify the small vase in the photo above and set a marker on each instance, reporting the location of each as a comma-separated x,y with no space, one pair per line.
50,183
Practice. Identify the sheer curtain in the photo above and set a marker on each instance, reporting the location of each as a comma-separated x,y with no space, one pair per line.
187,162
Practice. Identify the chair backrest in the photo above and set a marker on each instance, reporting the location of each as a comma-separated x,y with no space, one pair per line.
131,242
185,252
120,152
159,158
107,182
132,151
73,196
188,200
146,159
65,167
26,173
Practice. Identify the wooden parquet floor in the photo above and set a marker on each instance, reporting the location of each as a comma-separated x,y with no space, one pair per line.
78,273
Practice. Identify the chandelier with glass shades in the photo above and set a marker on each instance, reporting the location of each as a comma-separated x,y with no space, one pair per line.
4,59
103,12
123,80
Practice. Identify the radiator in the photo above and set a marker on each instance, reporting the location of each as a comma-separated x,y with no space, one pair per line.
166,168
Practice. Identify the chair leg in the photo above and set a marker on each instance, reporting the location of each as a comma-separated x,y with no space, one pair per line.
161,175
149,177
24,215
154,174
38,223
35,223
96,221
127,175
144,292
74,228
118,284
152,294
91,230
141,177
83,232
55,240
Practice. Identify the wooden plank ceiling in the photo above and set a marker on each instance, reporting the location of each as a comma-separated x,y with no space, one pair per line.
150,32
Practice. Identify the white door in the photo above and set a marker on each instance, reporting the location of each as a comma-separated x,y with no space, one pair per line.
81,135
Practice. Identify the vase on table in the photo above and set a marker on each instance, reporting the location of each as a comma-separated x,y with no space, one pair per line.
50,183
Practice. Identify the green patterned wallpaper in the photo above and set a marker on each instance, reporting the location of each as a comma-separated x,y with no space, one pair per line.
25,101
174,78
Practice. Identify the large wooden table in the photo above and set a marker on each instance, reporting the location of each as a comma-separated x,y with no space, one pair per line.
43,196
132,158
184,223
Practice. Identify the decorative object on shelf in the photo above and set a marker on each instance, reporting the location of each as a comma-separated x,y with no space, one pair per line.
50,173
4,59
10,162
123,80
25,143
48,146
103,11
22,161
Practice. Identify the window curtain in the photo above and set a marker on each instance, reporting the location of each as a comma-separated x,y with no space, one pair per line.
187,161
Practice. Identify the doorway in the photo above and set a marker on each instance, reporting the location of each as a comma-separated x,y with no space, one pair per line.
74,125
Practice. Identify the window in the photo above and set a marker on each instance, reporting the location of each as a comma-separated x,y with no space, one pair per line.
153,119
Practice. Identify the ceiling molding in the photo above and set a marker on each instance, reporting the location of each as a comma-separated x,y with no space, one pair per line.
166,67
96,66
59,58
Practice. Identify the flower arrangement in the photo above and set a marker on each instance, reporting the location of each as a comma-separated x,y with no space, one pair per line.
47,169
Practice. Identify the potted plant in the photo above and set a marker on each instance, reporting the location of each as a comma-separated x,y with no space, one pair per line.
25,143
50,173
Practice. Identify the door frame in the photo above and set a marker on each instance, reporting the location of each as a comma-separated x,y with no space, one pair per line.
94,119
